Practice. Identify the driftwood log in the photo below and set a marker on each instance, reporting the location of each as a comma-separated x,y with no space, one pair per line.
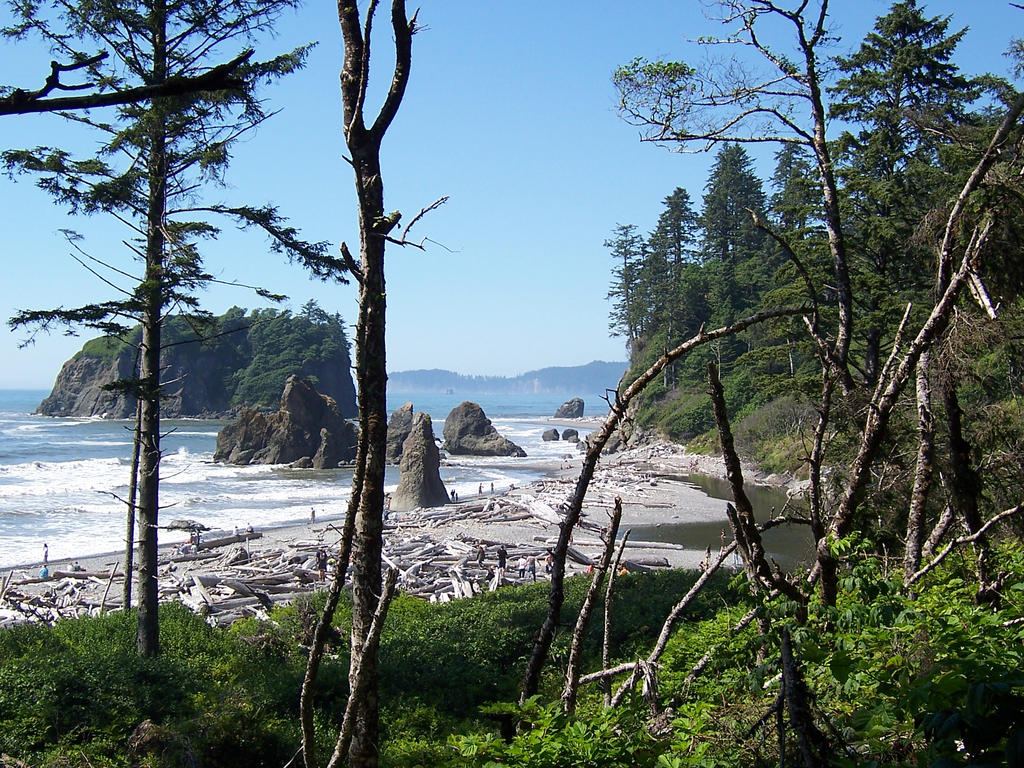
228,577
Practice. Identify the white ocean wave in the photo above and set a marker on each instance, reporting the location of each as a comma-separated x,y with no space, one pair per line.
73,505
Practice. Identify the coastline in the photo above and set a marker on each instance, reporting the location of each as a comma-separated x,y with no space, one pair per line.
435,548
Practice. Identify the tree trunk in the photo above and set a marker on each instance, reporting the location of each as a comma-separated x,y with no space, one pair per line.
362,713
606,647
369,522
149,374
133,489
572,671
922,473
965,484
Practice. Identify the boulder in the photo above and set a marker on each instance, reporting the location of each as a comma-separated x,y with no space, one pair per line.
468,432
399,427
571,409
308,425
549,435
571,435
419,480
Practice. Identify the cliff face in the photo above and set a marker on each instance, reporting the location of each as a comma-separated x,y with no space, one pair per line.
190,391
78,390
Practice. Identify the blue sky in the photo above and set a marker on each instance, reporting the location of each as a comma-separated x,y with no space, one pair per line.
510,111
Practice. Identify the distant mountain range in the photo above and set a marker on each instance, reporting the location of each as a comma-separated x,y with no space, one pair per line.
596,376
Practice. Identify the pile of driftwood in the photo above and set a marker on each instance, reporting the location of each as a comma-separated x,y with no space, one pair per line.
240,575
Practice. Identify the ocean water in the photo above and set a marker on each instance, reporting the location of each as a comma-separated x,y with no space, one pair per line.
63,481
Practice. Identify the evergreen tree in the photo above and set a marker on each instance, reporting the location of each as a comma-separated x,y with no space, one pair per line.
155,159
733,248
900,83
672,246
675,234
627,249
796,197
675,296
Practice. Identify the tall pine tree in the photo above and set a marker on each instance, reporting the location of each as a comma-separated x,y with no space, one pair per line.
627,251
896,87
735,252
156,158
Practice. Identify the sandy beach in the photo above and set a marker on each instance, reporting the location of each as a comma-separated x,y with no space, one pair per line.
435,549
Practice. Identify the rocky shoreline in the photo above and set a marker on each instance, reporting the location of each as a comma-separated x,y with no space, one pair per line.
436,550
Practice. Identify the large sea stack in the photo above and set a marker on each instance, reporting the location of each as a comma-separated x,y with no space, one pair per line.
468,432
308,430
399,427
419,482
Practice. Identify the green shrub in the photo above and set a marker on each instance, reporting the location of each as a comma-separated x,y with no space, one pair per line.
608,737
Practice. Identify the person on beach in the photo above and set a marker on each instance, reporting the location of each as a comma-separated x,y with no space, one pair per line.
480,490
46,553
531,567
312,515
321,563
480,553
521,566
44,572
549,562
706,562
502,562
492,487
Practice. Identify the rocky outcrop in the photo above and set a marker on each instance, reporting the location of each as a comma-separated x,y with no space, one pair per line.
419,481
190,390
307,426
79,391
549,435
571,409
626,436
571,435
468,432
399,427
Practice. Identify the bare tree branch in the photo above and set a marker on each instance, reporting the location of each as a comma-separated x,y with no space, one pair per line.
219,78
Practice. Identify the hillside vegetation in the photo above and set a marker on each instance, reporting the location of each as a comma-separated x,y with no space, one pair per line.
900,681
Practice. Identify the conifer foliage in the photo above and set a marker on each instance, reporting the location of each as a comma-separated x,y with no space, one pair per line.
156,158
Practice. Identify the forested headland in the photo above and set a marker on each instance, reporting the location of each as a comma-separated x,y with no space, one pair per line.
218,363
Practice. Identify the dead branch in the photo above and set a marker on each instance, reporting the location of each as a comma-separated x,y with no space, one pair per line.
572,672
556,594
606,635
978,534
20,102
762,572
739,626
